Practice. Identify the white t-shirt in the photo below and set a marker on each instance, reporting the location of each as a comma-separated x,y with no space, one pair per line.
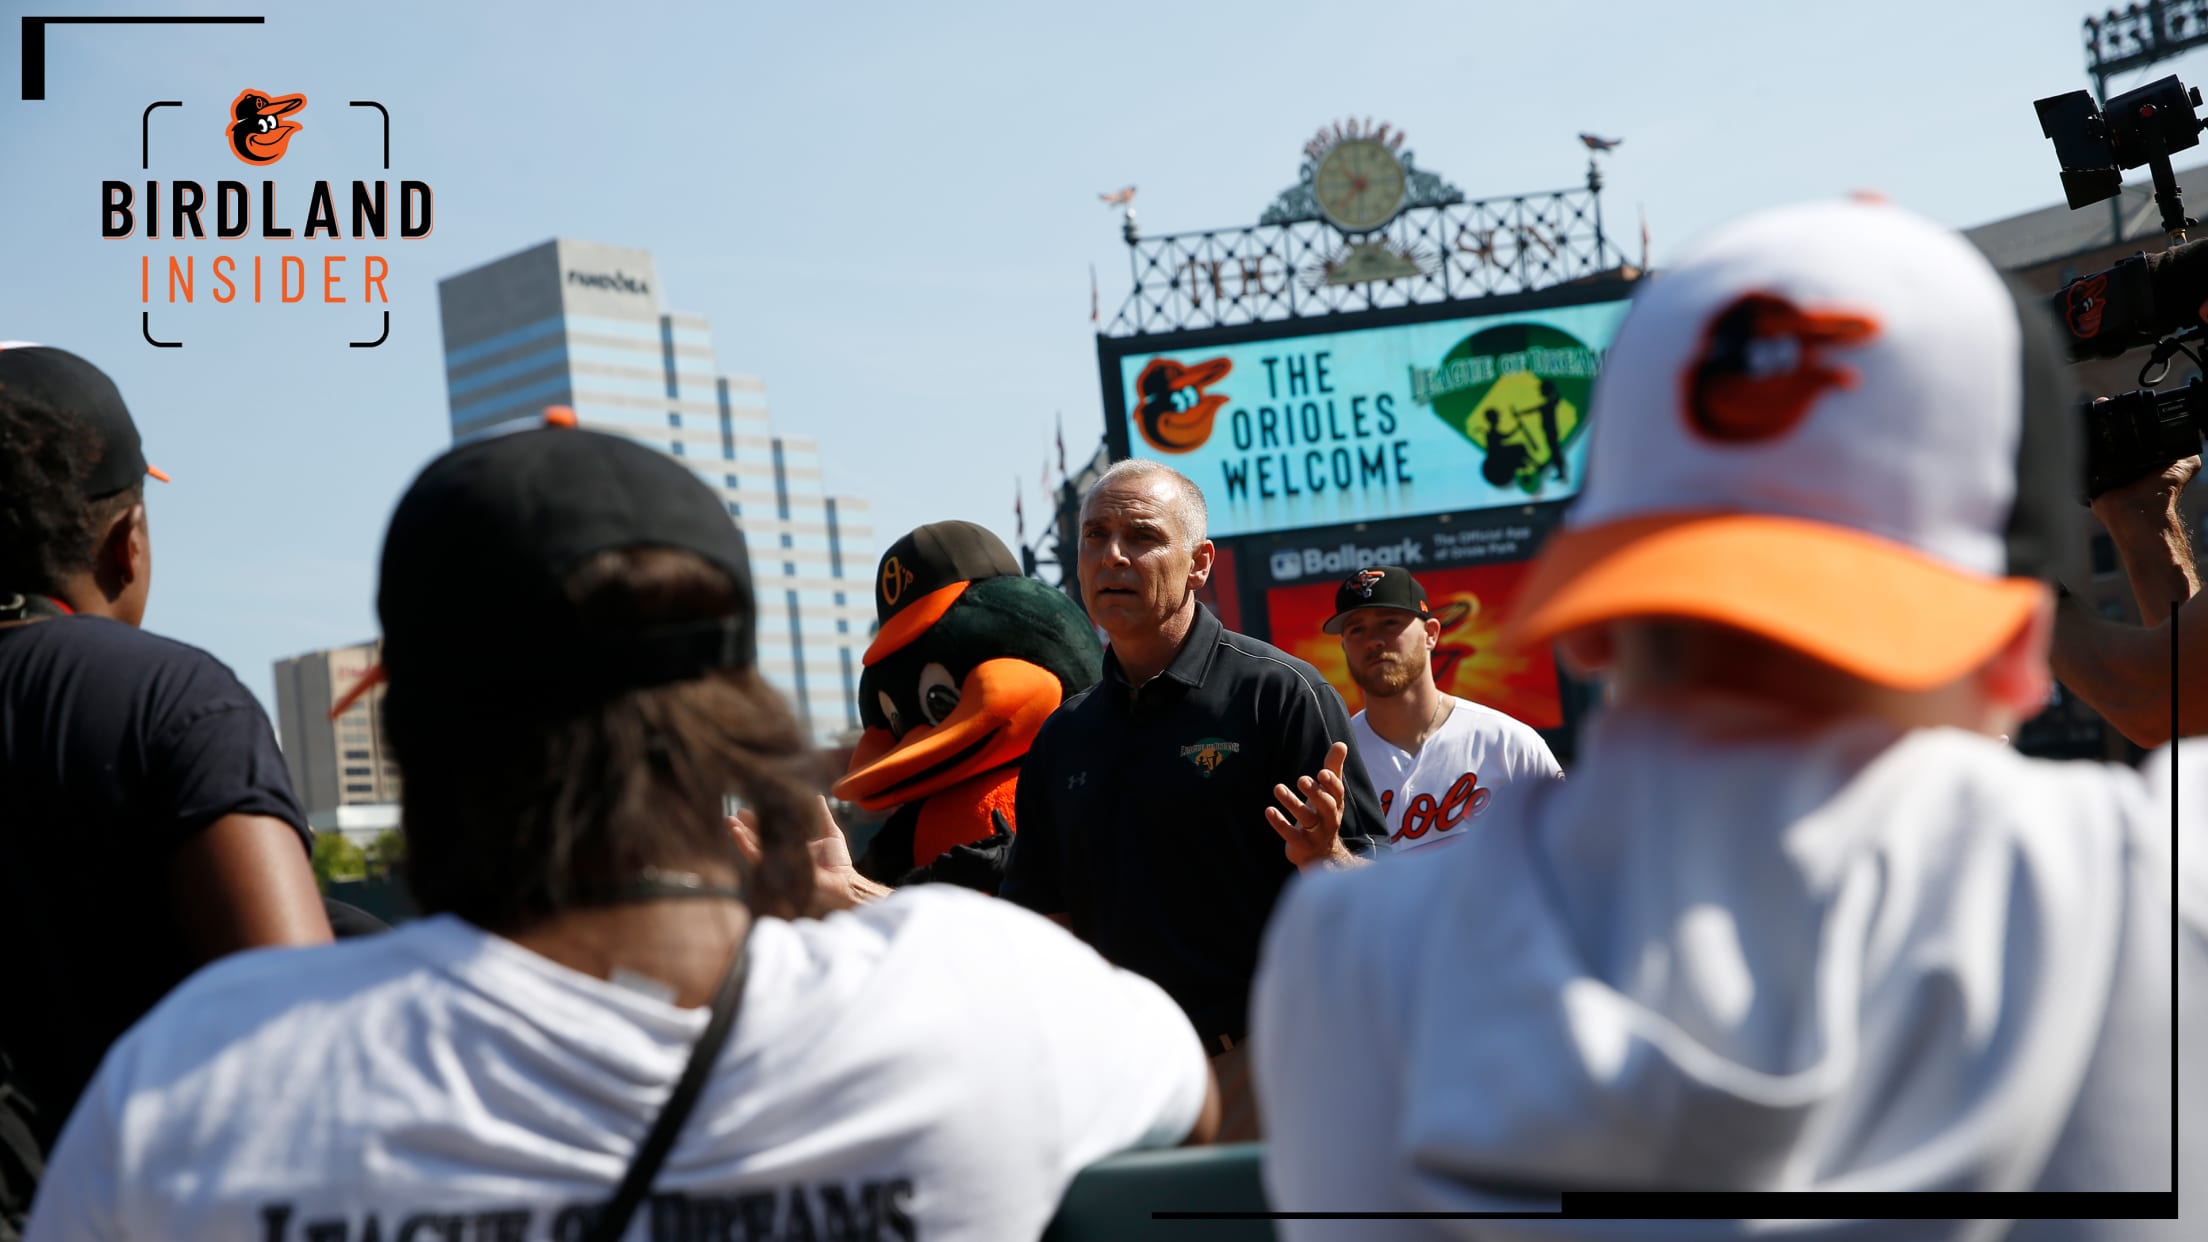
1479,755
1834,960
936,1065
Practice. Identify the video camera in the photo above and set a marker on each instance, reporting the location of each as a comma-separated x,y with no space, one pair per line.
2146,299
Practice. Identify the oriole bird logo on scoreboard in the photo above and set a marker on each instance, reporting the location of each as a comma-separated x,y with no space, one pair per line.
1176,413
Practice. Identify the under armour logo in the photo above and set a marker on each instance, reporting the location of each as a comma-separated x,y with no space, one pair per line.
1079,780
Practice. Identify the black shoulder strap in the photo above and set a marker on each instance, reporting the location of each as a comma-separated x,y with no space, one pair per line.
17,606
638,1181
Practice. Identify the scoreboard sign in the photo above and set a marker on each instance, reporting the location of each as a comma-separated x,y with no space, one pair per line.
1285,428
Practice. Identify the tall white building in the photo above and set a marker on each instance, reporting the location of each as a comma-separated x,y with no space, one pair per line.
583,325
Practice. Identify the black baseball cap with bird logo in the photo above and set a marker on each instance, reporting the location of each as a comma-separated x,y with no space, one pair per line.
924,573
1381,586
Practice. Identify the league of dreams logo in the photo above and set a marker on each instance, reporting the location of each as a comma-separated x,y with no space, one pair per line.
1519,393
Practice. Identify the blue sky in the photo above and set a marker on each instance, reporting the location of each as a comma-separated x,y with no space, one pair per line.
888,211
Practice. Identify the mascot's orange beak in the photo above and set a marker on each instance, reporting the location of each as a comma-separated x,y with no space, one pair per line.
1001,707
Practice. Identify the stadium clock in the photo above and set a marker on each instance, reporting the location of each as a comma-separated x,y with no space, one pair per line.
1359,186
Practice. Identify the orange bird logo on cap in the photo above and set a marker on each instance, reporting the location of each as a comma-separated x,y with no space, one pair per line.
1762,366
256,136
1176,412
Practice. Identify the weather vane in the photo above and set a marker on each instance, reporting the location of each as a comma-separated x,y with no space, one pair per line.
1124,198
1597,146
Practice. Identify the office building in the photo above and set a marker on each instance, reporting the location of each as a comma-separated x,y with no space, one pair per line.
585,325
334,763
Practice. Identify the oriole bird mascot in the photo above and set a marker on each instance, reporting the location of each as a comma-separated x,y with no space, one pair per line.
970,657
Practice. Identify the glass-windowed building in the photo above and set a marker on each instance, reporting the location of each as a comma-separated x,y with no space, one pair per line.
584,325
335,762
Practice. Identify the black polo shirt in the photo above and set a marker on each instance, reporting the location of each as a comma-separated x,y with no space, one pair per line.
1142,813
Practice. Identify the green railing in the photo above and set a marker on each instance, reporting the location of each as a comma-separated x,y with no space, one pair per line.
1112,1200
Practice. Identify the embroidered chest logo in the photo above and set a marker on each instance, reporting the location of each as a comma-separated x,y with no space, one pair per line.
1208,753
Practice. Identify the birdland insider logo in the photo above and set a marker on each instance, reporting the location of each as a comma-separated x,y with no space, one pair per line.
1519,393
259,128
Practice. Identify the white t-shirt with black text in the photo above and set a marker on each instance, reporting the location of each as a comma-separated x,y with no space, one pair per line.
936,1065
1476,756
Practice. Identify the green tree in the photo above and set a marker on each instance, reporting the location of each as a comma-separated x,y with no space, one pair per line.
385,853
336,858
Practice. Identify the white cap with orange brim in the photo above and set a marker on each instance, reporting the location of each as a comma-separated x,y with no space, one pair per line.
1833,426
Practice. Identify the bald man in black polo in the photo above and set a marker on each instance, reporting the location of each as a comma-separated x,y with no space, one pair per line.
1162,810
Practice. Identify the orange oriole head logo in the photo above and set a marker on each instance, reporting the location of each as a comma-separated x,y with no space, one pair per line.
2083,304
256,136
1175,414
1762,366
1363,581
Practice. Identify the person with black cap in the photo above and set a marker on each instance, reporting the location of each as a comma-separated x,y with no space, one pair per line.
606,1002
147,824
1801,920
1437,760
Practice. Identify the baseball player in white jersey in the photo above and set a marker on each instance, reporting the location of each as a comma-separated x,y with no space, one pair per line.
1800,920
1438,761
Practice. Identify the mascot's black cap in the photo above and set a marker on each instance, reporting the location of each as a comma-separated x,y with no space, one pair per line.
925,572
474,569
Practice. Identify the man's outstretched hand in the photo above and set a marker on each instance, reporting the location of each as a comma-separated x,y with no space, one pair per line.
837,885
1311,825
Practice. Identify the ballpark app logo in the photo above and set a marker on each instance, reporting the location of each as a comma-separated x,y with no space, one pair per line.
255,134
1176,413
259,128
1289,564
1763,366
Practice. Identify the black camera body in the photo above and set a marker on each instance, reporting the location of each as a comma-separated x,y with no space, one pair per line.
2135,434
2144,298
2139,128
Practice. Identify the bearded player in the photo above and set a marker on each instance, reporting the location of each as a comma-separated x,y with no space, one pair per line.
1437,760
